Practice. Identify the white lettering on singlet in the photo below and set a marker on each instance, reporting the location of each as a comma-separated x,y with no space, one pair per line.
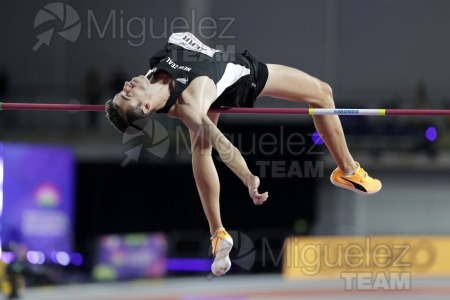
188,41
173,65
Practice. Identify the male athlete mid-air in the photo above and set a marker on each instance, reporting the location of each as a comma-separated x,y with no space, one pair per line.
187,78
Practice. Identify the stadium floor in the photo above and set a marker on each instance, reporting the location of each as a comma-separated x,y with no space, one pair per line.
249,287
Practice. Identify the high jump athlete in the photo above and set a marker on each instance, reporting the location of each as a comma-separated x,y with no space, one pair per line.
187,78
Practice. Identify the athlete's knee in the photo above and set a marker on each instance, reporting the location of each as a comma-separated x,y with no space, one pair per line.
325,96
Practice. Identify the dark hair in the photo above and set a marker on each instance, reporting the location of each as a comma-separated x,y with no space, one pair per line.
123,122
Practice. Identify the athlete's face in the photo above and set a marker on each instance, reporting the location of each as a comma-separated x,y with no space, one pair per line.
136,93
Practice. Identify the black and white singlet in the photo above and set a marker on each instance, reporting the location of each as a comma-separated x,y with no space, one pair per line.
239,78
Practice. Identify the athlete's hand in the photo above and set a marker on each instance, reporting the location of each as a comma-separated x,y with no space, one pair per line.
253,184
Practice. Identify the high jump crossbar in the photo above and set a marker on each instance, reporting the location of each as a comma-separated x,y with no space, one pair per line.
247,110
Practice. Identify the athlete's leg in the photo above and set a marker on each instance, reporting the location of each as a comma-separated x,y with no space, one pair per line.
208,187
206,177
294,85
291,84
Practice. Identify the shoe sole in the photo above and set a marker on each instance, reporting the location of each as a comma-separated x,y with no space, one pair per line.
220,270
353,189
225,248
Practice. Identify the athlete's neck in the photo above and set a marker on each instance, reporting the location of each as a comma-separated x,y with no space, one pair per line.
162,85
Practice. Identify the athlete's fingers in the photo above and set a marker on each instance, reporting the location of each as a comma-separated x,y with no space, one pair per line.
254,191
259,199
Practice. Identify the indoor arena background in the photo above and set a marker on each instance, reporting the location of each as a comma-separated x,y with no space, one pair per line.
88,213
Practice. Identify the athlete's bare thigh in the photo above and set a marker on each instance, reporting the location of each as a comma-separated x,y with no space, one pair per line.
292,84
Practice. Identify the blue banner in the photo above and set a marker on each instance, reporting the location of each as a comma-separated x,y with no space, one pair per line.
37,185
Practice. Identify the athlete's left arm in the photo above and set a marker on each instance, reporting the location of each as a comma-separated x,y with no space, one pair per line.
192,111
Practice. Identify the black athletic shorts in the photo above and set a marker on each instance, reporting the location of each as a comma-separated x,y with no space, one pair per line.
243,92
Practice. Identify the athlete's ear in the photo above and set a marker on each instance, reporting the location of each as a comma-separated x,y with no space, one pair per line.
146,108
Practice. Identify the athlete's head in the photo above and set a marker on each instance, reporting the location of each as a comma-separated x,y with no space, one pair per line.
130,104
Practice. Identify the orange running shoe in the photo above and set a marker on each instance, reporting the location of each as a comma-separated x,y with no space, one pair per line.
360,182
221,243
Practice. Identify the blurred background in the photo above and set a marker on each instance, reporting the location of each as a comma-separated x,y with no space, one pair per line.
81,203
